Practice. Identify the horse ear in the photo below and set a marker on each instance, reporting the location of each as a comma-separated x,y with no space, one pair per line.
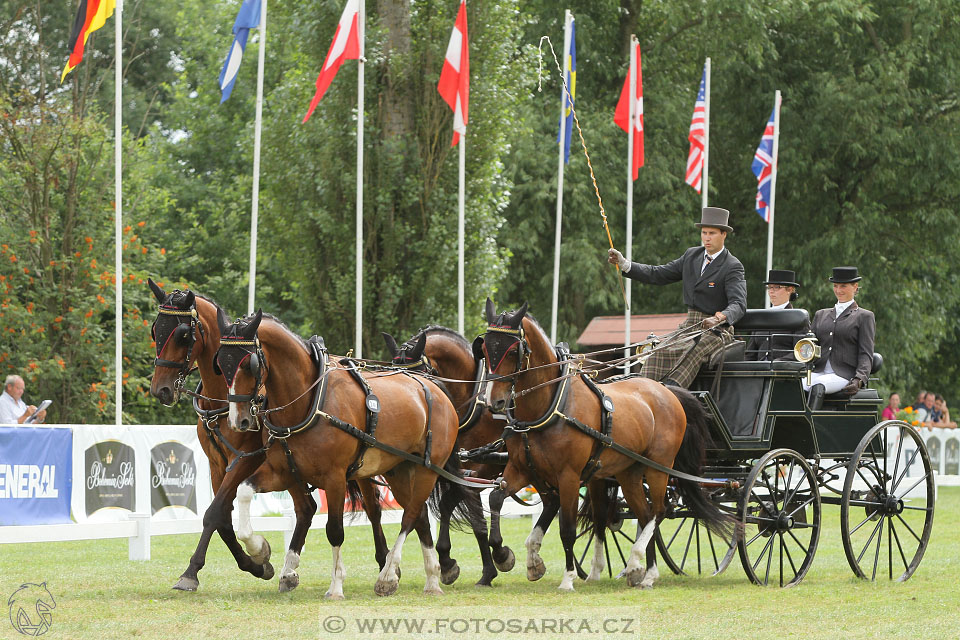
190,299
157,291
391,344
517,316
222,321
522,311
253,326
420,346
491,311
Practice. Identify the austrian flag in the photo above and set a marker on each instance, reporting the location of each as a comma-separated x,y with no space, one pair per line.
622,115
346,46
454,85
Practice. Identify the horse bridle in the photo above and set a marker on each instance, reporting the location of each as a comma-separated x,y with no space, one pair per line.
258,368
193,329
523,354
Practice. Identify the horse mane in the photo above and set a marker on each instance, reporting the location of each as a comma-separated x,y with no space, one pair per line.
447,331
293,334
536,323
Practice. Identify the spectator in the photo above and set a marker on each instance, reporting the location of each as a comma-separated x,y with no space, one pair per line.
943,421
890,411
920,398
933,413
925,408
13,410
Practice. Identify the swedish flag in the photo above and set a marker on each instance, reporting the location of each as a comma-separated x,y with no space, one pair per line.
570,77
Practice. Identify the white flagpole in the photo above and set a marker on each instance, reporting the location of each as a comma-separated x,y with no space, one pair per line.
773,182
118,208
567,21
629,247
460,226
706,134
258,123
358,328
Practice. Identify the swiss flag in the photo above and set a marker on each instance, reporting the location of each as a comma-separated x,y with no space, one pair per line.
622,114
346,46
454,85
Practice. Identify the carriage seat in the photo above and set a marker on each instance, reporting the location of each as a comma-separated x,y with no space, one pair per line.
863,396
773,320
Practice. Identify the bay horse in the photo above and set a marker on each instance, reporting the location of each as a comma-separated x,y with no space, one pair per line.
187,334
270,374
556,417
440,350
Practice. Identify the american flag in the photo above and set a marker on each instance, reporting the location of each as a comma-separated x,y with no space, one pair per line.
763,168
697,136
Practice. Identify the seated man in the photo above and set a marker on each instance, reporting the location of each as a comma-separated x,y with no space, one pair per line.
13,410
766,345
845,332
714,291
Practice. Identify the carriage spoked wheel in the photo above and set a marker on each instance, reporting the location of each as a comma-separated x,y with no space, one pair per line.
779,515
620,535
886,509
687,546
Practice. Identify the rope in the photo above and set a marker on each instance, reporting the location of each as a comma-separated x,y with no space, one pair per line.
583,144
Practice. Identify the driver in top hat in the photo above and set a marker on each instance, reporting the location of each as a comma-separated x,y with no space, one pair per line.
714,291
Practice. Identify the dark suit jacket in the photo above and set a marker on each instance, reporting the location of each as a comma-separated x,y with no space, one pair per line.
764,345
846,341
722,286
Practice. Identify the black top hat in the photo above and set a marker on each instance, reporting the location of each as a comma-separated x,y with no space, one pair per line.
714,217
845,274
782,276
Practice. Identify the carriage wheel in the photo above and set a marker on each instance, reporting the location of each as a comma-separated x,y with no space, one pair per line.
687,546
881,501
618,537
780,519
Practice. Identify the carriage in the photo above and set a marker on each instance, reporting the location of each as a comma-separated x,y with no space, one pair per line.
774,464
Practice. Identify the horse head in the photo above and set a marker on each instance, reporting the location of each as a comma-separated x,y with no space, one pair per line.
176,331
409,355
240,361
504,337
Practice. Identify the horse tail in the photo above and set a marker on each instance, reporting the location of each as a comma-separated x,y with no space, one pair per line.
690,459
467,507
585,512
355,498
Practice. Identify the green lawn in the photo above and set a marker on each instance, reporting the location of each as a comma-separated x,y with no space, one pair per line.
100,594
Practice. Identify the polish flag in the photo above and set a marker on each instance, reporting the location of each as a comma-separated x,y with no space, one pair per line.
622,114
346,46
454,85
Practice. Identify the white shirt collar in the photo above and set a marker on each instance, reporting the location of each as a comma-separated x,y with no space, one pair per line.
713,256
780,306
840,307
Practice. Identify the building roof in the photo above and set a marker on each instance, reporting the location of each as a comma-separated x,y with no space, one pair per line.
608,330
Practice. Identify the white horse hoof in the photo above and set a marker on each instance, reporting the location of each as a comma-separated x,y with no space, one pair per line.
263,555
536,570
333,596
436,591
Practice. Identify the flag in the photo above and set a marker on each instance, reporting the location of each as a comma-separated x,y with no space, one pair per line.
91,15
697,136
454,85
622,114
345,46
570,77
763,168
247,18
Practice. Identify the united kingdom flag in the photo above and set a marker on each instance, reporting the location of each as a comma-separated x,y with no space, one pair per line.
762,166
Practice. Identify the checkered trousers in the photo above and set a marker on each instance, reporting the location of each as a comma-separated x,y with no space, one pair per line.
682,361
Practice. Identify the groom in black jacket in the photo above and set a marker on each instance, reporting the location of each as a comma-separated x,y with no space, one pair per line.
714,291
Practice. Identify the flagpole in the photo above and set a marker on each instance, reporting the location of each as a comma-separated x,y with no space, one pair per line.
706,133
567,20
629,247
118,208
460,230
258,124
358,328
773,182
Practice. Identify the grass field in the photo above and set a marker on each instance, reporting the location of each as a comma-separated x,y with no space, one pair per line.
100,594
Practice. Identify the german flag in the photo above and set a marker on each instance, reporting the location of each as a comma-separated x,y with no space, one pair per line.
91,15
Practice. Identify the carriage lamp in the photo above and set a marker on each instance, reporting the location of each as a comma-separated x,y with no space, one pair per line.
807,350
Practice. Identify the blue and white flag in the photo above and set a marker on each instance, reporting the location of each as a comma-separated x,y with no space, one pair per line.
248,18
570,76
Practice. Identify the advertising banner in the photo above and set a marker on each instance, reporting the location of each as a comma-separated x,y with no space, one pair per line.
35,475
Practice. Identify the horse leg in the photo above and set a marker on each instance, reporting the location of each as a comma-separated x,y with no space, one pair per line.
217,518
657,490
336,489
503,557
450,570
599,503
305,507
431,566
535,566
256,545
631,482
373,509
479,525
569,488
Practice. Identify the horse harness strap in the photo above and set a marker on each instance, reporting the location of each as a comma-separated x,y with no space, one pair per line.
208,417
606,427
478,402
373,410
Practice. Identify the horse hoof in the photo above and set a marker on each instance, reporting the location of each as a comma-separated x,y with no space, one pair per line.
563,589
536,571
484,582
264,554
268,571
186,584
383,588
436,591
289,582
506,559
449,576
635,577
333,596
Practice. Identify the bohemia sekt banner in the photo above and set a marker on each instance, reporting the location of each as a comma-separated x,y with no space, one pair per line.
35,475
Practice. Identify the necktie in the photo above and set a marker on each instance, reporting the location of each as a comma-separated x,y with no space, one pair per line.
705,263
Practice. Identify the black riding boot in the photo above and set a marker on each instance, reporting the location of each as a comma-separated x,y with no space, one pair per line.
815,399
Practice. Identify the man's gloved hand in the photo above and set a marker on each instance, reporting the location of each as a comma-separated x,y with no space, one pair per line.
714,320
852,387
615,257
